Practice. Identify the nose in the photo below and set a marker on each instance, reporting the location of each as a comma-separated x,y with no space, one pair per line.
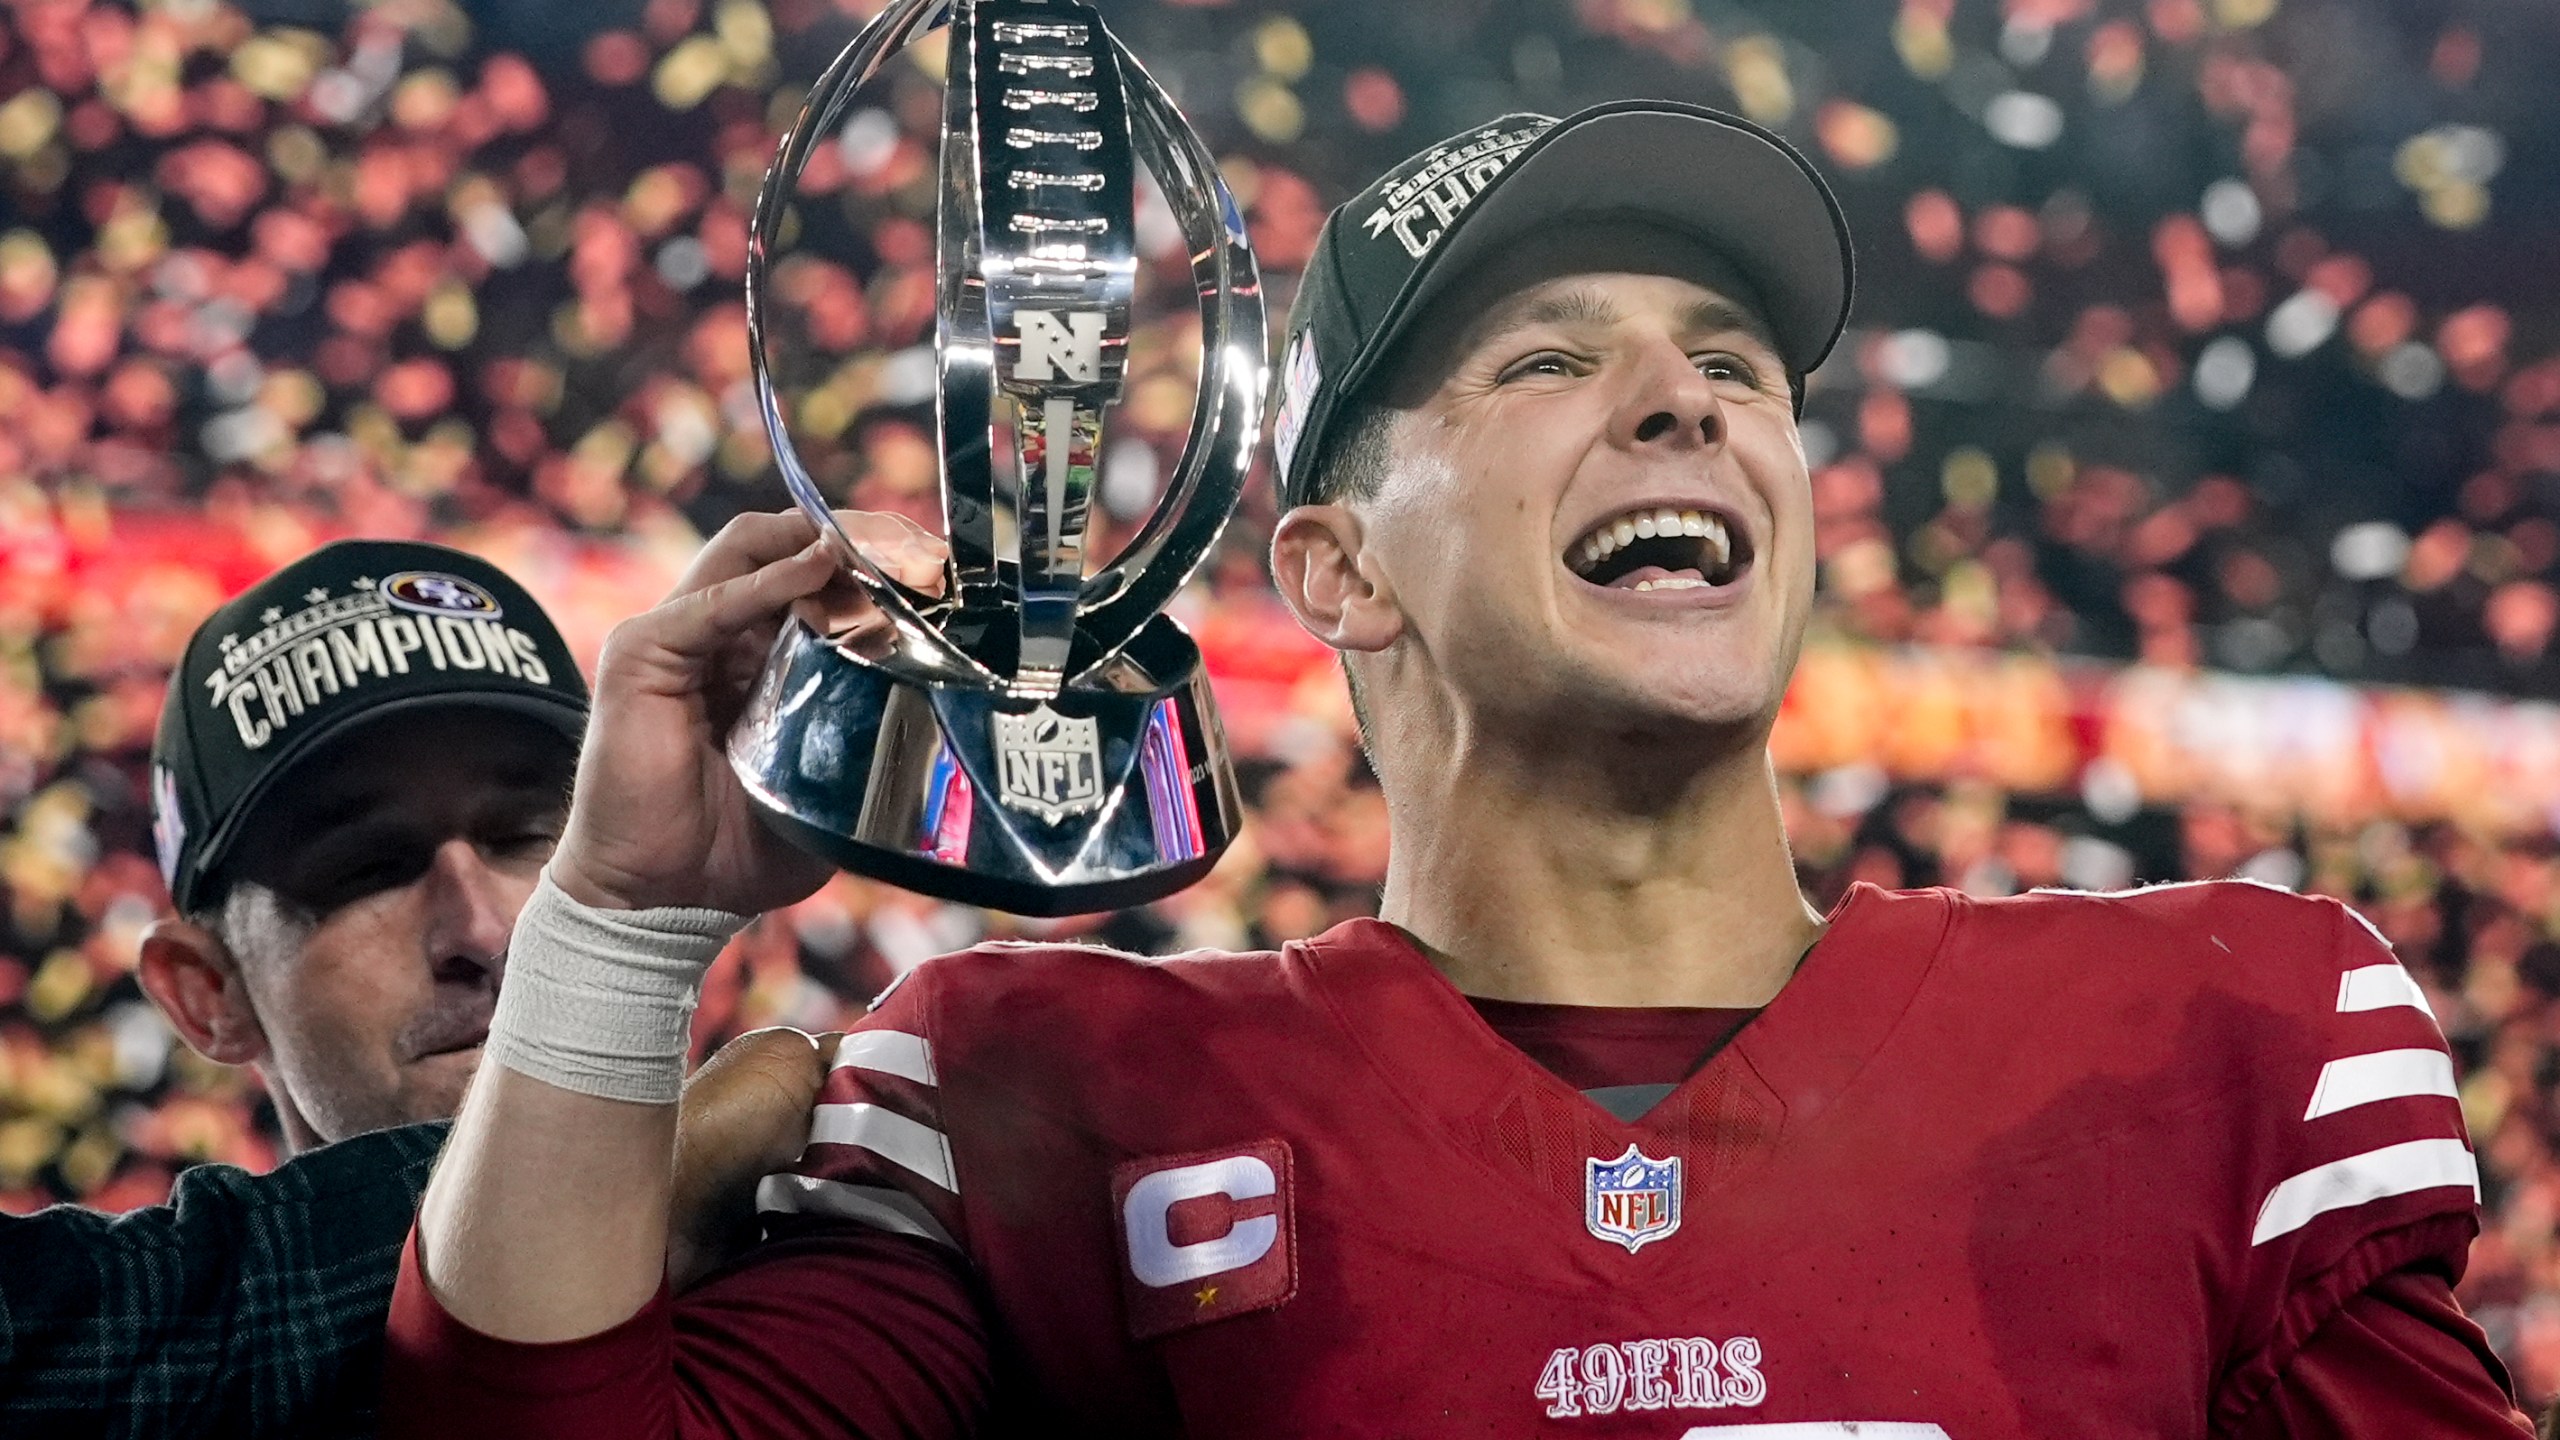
471,911
1666,401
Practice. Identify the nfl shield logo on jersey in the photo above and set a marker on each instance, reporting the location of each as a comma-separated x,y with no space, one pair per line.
1633,1200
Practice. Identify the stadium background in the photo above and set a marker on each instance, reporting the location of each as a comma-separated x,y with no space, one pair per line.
2189,482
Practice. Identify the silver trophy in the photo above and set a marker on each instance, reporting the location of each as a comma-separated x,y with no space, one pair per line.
1034,739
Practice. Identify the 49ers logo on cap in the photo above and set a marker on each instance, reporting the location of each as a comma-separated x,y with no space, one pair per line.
1204,1236
430,593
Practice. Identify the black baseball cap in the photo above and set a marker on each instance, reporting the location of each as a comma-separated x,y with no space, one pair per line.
1746,194
354,632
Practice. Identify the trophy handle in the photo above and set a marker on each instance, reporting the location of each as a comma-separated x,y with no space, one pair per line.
921,649
964,355
1226,416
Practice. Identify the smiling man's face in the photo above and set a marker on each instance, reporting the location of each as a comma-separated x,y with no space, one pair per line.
372,904
1594,507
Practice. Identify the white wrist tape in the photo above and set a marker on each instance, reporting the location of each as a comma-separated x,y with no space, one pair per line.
601,1001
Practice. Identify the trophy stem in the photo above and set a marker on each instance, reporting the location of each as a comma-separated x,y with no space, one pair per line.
1056,238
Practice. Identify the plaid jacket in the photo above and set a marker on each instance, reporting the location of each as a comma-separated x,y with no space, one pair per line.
249,1305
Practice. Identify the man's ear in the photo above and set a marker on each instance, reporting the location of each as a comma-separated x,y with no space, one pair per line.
192,976
1330,582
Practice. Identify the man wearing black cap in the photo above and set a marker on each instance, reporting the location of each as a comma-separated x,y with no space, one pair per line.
362,763
1601,1129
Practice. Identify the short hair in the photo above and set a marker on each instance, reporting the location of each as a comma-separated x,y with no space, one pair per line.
227,916
1354,460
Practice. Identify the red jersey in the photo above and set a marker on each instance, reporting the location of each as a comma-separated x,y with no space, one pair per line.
2063,1165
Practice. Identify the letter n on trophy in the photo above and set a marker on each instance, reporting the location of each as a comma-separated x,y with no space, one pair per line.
1036,735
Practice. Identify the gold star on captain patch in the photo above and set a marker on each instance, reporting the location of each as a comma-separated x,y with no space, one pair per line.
316,594
1207,1295
271,614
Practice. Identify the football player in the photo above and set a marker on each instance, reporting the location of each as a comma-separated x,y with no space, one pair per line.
1600,1129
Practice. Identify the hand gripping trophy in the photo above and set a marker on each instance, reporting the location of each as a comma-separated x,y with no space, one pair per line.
1035,738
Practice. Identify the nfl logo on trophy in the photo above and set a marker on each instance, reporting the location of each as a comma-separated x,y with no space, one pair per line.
1633,1200
1032,733
1052,765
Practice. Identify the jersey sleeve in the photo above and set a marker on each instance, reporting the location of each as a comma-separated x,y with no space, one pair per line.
2364,1164
833,1332
2398,1358
879,1152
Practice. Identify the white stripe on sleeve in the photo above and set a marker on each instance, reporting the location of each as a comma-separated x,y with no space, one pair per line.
891,1052
888,1134
2354,1080
2380,987
870,1205
1820,1430
2374,1175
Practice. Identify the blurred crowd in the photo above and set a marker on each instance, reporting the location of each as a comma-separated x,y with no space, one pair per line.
2192,334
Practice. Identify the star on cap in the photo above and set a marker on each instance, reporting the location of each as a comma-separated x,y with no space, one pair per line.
271,614
229,641
361,583
316,594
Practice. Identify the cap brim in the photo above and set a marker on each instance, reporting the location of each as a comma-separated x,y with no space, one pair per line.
568,718
1739,190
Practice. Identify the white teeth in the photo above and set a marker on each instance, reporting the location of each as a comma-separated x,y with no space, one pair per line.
1671,582
1645,525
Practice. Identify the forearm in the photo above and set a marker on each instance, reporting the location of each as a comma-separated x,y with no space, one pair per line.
548,1216
547,1219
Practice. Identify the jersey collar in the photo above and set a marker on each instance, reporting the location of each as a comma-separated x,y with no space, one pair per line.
1805,1048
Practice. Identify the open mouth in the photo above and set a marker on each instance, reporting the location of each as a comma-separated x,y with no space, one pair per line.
1661,548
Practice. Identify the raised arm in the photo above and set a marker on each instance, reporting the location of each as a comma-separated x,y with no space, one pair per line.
547,1219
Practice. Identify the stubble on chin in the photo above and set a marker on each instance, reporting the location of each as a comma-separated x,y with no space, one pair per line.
435,1085
402,1094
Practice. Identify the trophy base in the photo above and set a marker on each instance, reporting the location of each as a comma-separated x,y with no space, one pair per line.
1099,798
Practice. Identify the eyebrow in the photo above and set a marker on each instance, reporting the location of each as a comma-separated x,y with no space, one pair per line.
1713,314
1716,313
1578,306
